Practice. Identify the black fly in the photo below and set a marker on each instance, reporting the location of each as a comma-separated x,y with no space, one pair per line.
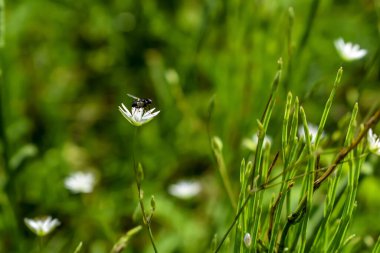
140,102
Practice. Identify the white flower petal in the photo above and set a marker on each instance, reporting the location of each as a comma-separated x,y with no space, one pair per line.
138,116
150,111
373,142
251,143
185,189
149,116
126,110
80,182
42,226
349,51
313,131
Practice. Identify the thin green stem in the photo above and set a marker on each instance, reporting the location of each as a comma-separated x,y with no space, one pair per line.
40,243
134,141
146,220
376,248
233,223
309,25
217,147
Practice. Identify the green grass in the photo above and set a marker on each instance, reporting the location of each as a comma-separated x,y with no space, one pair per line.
212,68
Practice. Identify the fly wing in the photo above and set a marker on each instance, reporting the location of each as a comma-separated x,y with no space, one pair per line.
134,97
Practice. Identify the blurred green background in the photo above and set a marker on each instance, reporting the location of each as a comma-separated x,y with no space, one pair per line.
67,65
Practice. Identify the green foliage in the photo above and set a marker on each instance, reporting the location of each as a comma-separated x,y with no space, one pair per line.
210,68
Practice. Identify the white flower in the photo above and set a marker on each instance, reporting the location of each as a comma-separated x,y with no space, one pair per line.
349,51
138,116
185,189
247,240
313,130
80,182
373,142
251,144
42,226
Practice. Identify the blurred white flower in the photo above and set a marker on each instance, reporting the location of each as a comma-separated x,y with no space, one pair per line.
373,142
349,51
313,130
251,143
247,240
42,226
185,189
138,116
80,182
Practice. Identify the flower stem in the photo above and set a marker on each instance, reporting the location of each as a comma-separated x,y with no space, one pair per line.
146,220
40,243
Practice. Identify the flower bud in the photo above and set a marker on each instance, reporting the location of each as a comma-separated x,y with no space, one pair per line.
247,240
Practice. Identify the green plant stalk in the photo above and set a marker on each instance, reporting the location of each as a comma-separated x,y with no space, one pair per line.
309,179
40,243
343,153
289,41
271,101
240,211
353,183
328,106
309,25
320,233
295,217
289,148
247,213
78,248
350,238
275,216
263,124
331,195
217,147
139,191
376,247
251,193
254,209
259,199
146,219
243,205
245,218
233,223
294,124
273,208
293,143
353,179
256,205
240,224
123,241
339,233
268,184
285,124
